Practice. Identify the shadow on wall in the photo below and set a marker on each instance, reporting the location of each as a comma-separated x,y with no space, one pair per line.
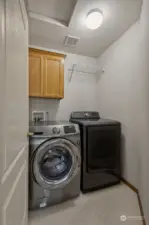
123,151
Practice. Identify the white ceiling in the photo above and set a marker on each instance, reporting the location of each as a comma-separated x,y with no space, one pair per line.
52,20
56,9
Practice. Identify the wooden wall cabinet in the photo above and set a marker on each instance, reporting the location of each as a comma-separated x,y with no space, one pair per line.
46,74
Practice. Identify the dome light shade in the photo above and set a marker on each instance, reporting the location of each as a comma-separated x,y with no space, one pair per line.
94,19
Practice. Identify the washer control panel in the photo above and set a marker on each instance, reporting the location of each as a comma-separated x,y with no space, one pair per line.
54,129
69,129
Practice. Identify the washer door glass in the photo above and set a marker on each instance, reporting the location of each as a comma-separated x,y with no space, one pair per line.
55,163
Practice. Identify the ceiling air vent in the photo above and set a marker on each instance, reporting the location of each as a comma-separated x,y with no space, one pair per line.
71,41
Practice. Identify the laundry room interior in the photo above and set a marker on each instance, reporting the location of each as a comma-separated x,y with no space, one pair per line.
102,71
75,127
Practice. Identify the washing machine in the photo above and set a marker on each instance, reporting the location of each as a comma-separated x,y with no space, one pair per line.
54,168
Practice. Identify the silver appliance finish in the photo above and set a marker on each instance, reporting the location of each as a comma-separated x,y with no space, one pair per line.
46,138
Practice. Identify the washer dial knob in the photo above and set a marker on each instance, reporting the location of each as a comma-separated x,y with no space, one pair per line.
56,130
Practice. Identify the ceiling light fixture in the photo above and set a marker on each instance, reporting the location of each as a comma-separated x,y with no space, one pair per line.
94,19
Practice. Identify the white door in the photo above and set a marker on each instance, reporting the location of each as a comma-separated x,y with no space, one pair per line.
13,113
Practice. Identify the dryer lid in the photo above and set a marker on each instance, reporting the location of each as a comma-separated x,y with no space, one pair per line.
55,163
98,122
90,118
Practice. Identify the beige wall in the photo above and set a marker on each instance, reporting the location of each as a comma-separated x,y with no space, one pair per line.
123,93
120,96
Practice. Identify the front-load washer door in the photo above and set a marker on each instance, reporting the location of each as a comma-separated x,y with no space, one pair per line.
55,163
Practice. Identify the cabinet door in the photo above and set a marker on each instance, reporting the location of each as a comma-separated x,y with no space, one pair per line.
35,74
53,77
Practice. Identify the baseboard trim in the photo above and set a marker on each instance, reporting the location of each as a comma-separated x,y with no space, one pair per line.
132,187
129,185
